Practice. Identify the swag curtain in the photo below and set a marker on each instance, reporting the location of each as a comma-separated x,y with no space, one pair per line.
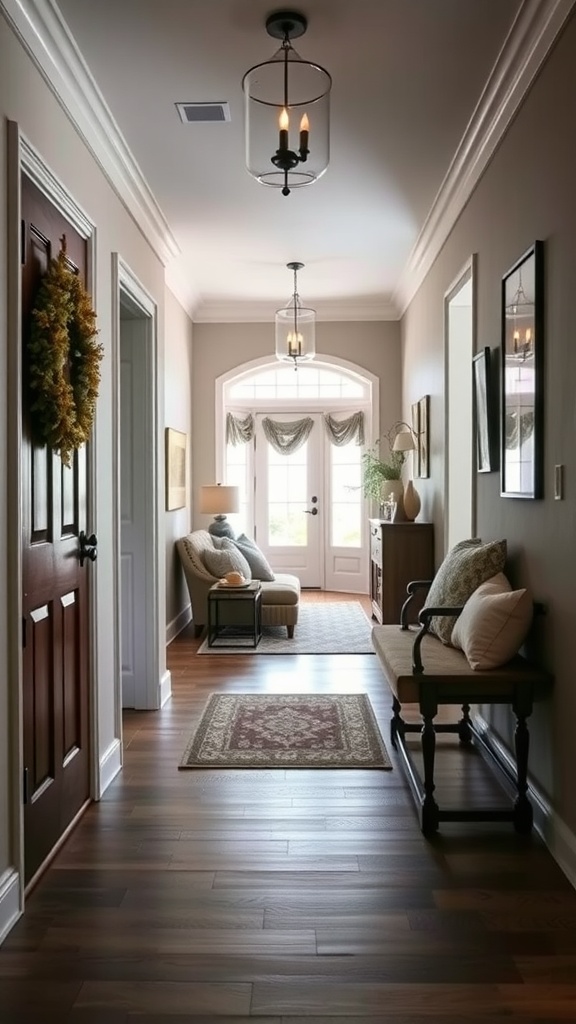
286,438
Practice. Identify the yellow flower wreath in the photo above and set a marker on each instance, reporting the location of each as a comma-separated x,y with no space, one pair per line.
64,360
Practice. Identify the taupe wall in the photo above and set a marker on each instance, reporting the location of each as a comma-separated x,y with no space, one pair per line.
527,193
221,347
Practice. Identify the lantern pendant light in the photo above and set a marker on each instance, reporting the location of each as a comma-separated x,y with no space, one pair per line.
295,327
287,112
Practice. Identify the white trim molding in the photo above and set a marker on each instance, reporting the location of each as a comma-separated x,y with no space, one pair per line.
45,35
532,35
10,901
110,765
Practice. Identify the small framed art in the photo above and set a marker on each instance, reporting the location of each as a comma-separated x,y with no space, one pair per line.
175,469
423,438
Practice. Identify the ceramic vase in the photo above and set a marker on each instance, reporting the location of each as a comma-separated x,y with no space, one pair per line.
412,503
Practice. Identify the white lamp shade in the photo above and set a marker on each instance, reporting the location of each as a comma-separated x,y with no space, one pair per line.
404,441
219,499
295,333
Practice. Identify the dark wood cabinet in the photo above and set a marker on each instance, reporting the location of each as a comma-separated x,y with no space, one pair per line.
399,553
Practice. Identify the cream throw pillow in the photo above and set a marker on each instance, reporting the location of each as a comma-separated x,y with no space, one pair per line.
493,624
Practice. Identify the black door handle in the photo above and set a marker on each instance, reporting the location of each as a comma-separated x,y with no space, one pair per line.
88,547
311,511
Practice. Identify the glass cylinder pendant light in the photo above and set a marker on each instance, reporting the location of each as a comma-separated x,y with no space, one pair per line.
295,328
287,112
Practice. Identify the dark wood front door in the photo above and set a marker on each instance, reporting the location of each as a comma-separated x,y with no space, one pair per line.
55,591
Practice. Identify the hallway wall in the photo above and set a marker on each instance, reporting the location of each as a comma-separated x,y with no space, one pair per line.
526,193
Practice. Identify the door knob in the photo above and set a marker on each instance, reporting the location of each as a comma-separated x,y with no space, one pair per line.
88,547
311,511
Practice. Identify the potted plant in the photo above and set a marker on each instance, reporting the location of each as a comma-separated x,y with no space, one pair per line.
381,476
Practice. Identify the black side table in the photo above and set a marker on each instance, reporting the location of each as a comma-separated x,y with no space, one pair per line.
235,615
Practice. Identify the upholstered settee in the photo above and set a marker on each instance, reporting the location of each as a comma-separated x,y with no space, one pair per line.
280,596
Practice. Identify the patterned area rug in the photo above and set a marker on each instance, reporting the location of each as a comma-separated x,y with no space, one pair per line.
340,627
296,731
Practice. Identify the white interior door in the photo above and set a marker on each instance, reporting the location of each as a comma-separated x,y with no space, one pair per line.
288,503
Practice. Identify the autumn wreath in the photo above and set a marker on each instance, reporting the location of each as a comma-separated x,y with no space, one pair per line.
64,360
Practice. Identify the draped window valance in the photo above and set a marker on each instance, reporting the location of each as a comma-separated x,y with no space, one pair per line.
286,438
239,431
342,432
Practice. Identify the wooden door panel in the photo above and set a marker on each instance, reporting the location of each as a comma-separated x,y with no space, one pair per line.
55,592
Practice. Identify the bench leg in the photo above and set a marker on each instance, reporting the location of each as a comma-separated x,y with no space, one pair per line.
429,807
464,725
396,723
523,814
290,631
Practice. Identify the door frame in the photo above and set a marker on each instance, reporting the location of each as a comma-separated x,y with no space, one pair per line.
288,406
24,160
126,288
467,273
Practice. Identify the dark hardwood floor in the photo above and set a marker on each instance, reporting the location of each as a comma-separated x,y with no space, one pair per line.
292,897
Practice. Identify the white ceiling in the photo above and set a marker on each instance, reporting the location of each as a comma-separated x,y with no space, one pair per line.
407,78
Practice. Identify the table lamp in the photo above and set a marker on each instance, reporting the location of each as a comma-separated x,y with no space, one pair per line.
219,500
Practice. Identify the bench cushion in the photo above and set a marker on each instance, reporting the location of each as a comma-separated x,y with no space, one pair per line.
446,670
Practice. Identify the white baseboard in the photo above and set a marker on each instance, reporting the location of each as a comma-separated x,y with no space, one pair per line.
10,901
561,842
110,764
178,623
165,688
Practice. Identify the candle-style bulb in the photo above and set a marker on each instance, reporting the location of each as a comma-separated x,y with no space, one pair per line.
283,124
304,136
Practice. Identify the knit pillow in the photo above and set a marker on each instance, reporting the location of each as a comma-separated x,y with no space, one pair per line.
227,559
465,567
493,624
259,565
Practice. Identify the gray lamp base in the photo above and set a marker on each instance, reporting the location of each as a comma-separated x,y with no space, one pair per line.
220,527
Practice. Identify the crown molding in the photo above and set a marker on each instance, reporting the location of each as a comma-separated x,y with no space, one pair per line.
206,312
44,34
531,36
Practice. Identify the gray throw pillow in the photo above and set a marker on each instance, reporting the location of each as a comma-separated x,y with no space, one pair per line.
469,564
228,559
259,565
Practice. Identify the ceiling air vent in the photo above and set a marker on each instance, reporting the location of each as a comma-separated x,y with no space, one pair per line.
203,113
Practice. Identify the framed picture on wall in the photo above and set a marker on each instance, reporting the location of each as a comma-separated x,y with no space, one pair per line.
522,377
416,431
175,469
482,405
423,437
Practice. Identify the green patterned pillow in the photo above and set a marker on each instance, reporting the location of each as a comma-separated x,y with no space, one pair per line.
469,564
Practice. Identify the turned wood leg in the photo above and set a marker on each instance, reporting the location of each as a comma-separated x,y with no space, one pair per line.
523,814
397,722
290,630
429,806
464,725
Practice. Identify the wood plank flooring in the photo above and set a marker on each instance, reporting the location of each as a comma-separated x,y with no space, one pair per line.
289,897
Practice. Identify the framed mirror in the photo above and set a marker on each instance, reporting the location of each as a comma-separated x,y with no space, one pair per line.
522,371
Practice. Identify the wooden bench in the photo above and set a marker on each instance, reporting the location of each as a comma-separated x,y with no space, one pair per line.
421,670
